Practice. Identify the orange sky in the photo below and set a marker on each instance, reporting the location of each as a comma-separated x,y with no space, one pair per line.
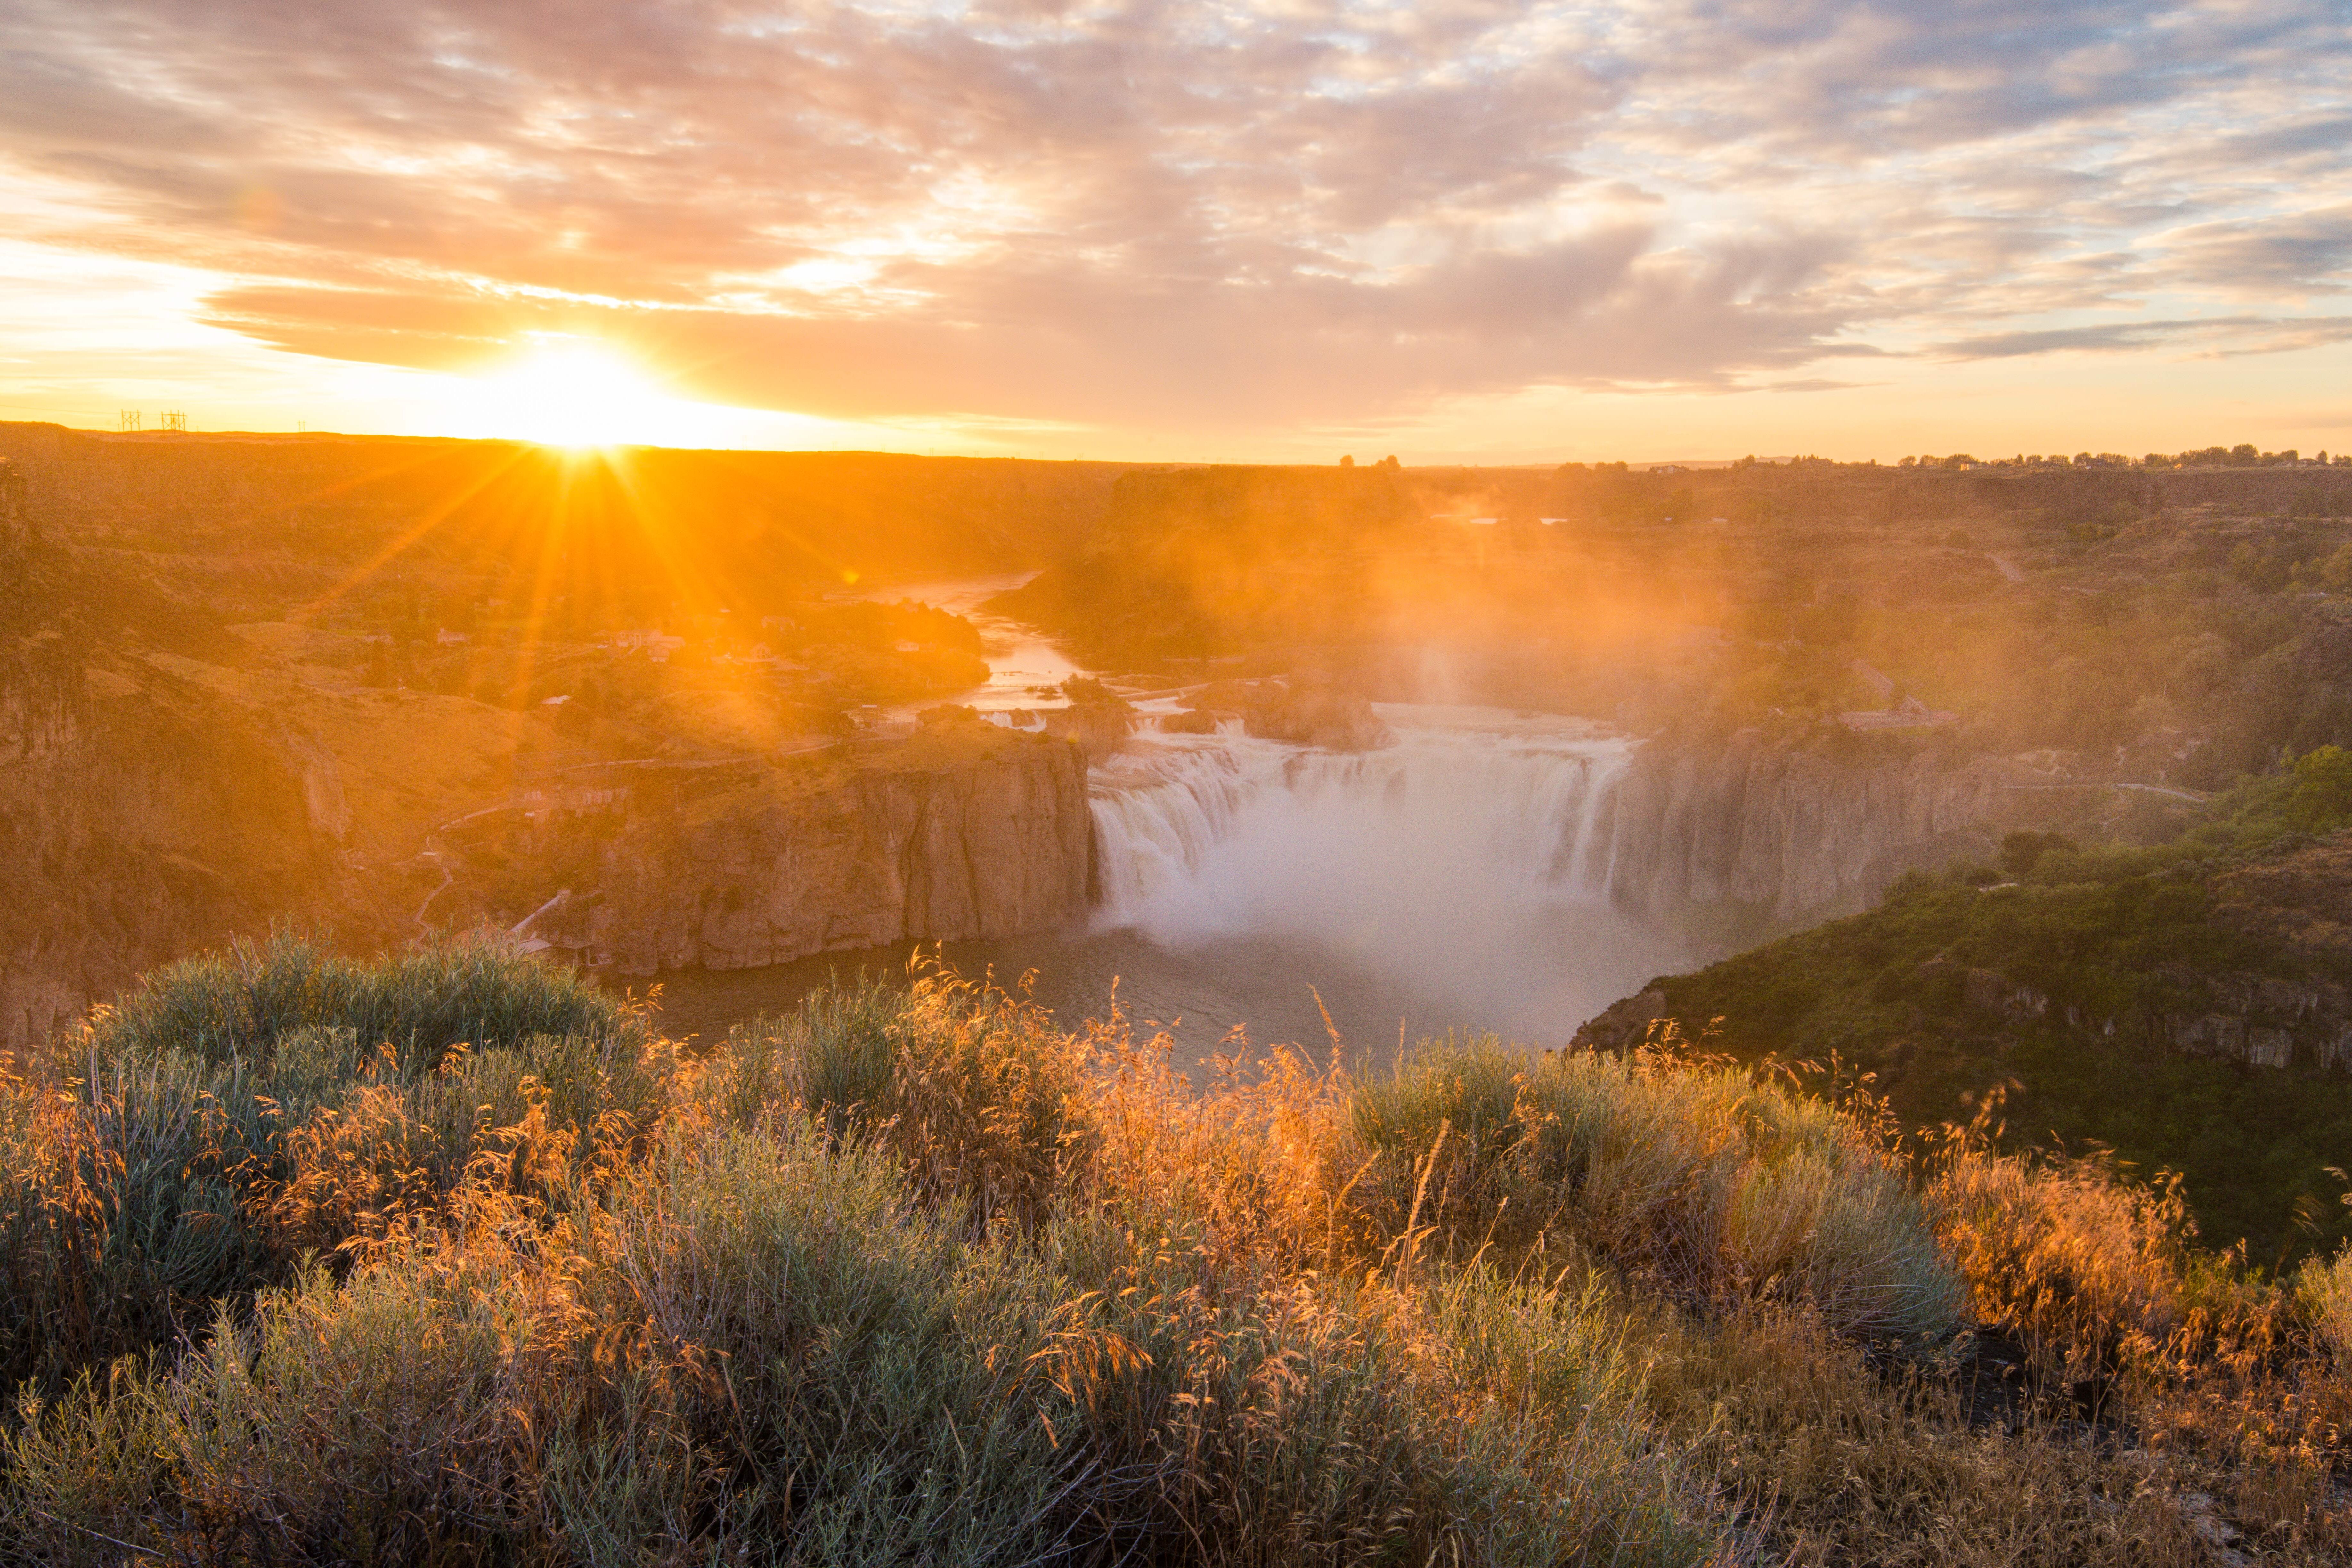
1463,229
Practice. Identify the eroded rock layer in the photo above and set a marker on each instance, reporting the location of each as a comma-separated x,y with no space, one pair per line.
1784,833
989,841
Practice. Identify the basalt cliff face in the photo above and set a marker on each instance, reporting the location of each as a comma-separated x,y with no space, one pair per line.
988,840
139,817
1784,835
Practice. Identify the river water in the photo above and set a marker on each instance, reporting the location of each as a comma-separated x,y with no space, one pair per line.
1454,879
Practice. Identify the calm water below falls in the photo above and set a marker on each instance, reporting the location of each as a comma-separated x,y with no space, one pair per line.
1453,879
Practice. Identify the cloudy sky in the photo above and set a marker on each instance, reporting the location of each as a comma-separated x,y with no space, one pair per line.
1457,229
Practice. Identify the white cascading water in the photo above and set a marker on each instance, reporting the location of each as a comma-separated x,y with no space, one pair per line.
1469,861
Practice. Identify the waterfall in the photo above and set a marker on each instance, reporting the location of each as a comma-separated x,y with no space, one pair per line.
1470,859
1517,811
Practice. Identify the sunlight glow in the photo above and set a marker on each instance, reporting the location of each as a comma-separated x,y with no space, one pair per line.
568,392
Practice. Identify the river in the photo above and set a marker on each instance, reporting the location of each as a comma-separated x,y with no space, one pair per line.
1451,880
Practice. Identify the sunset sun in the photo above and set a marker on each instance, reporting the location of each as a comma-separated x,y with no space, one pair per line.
578,393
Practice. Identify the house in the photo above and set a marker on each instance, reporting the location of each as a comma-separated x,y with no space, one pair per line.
448,638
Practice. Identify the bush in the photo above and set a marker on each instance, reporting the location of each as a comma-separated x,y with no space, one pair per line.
1717,1186
194,1143
420,1003
975,1090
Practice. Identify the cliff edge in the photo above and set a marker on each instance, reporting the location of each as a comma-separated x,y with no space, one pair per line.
951,838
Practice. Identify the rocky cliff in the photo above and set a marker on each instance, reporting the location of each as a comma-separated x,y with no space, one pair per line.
1784,835
141,817
951,837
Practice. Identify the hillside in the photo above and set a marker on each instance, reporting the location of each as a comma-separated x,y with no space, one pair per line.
2185,1004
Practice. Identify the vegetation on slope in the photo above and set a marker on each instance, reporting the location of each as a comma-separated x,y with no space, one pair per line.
447,1258
2090,951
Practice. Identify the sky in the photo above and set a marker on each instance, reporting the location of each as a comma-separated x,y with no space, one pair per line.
1457,230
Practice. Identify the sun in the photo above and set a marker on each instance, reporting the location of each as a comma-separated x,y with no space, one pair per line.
579,394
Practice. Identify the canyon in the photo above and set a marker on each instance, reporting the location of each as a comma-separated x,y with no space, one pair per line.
335,758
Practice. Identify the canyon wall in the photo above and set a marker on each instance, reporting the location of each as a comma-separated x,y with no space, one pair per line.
139,819
1784,836
989,842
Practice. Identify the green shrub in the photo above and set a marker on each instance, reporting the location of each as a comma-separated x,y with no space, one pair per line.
194,1143
419,1002
976,1091
1720,1186
852,1375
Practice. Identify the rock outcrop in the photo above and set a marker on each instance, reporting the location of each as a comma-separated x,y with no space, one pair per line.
1786,835
964,836
2302,900
1302,712
1097,728
139,817
2235,1016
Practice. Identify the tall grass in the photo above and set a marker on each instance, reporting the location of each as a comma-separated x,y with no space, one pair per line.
917,1276
2326,1287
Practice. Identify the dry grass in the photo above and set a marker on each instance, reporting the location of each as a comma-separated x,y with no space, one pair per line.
914,1275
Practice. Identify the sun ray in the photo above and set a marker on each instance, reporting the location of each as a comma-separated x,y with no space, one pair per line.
408,536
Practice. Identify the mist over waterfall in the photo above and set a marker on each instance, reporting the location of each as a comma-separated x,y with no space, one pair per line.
1469,862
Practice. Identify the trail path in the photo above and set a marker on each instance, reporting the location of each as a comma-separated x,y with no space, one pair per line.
2008,568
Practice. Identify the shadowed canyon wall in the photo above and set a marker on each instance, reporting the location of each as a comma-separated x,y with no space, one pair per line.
989,844
1785,835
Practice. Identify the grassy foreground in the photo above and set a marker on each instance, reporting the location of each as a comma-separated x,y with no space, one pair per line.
449,1258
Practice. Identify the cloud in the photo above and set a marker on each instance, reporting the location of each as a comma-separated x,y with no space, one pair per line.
2208,336
2290,252
1135,210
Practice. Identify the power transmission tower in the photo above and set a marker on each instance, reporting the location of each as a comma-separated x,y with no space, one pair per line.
127,420
172,419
